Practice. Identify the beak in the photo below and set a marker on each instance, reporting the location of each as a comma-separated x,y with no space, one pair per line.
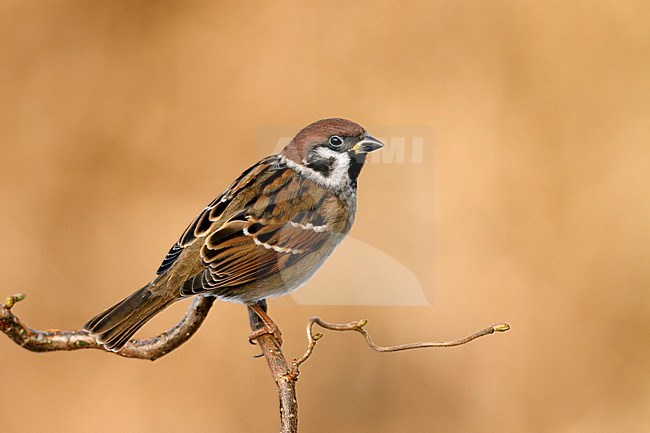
367,144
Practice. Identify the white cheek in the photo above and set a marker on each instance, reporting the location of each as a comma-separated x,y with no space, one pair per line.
340,167
337,180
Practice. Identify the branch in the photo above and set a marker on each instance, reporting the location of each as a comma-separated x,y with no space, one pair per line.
283,376
54,339
359,326
286,377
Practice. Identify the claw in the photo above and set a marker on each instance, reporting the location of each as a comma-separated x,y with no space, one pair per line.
267,329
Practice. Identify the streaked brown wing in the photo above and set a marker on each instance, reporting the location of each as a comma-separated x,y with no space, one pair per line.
285,218
257,251
210,217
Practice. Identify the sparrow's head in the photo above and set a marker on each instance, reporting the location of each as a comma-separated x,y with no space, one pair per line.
334,149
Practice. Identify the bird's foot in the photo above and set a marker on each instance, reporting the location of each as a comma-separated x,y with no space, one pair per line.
261,323
267,329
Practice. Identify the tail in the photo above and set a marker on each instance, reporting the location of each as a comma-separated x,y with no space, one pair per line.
115,326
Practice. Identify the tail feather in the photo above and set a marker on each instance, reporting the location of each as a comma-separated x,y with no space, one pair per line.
115,326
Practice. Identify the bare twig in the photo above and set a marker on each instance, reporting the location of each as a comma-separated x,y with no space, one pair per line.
359,326
285,376
55,339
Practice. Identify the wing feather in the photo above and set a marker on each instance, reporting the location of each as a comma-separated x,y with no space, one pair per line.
210,217
268,219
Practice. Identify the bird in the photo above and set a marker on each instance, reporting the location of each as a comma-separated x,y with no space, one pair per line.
263,237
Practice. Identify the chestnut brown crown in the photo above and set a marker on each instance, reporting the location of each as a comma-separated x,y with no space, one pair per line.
317,133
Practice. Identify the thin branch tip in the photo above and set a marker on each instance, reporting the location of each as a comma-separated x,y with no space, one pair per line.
13,300
359,326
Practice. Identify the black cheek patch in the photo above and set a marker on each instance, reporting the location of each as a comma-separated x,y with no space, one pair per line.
322,166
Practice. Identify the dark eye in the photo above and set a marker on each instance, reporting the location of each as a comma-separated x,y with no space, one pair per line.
336,141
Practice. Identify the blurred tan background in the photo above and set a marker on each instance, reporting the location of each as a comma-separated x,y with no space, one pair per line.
119,121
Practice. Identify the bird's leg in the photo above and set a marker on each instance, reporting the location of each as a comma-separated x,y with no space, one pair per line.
261,322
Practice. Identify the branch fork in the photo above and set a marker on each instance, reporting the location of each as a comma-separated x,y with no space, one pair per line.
284,374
